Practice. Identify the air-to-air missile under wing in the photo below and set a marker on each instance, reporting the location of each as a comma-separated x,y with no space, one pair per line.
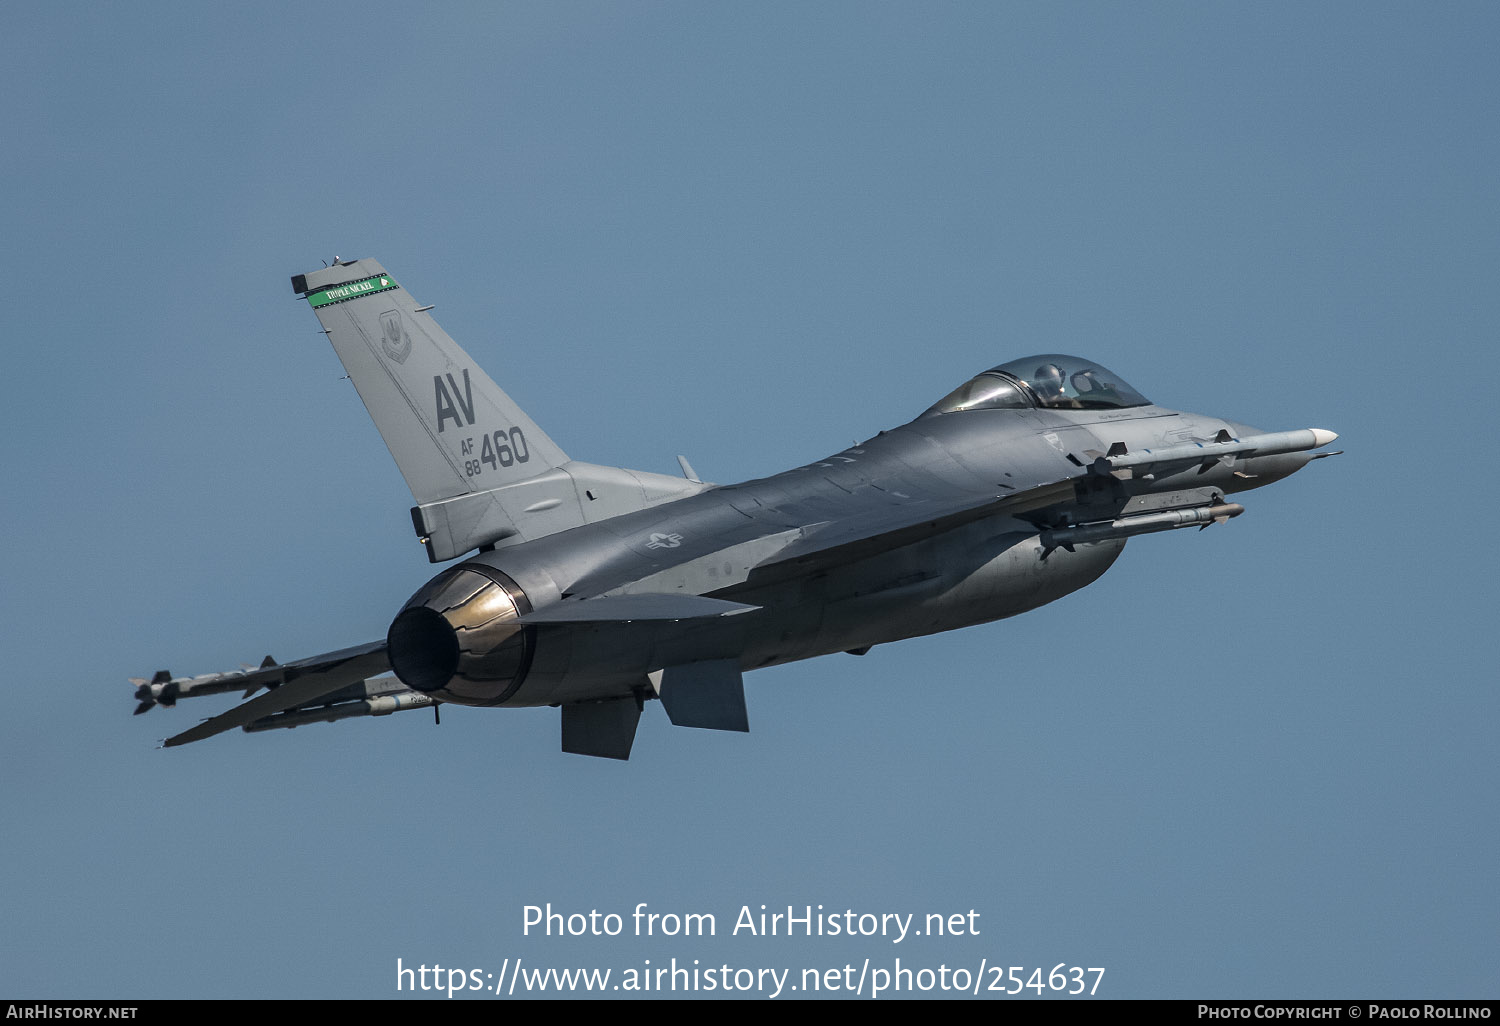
595,588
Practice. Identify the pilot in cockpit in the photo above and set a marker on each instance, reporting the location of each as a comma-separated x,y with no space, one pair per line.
1058,383
1047,382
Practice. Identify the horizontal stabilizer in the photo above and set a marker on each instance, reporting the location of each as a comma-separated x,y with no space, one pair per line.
709,694
624,608
302,681
603,729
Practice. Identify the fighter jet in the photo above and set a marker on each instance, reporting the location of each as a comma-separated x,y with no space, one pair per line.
597,589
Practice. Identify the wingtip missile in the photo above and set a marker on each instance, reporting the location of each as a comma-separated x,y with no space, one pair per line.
164,689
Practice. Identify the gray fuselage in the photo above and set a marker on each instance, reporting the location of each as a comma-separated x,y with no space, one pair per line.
716,543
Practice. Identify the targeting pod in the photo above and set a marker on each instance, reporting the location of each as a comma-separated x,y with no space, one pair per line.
1148,523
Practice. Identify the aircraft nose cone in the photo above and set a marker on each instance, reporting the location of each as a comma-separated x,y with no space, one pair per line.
1322,437
457,639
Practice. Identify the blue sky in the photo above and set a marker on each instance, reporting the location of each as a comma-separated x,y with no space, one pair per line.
1253,761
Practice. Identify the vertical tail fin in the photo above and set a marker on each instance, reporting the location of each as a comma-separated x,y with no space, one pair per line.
451,430
482,472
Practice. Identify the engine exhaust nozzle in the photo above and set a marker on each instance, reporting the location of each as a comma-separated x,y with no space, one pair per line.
457,639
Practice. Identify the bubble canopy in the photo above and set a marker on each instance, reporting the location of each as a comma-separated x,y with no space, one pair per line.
1051,381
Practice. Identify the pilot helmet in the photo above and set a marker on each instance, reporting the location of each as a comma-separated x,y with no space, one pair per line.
1048,380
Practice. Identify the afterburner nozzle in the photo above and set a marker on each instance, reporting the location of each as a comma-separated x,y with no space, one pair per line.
457,639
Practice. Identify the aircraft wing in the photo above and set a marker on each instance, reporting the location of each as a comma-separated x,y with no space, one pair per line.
632,608
884,529
293,684
846,540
